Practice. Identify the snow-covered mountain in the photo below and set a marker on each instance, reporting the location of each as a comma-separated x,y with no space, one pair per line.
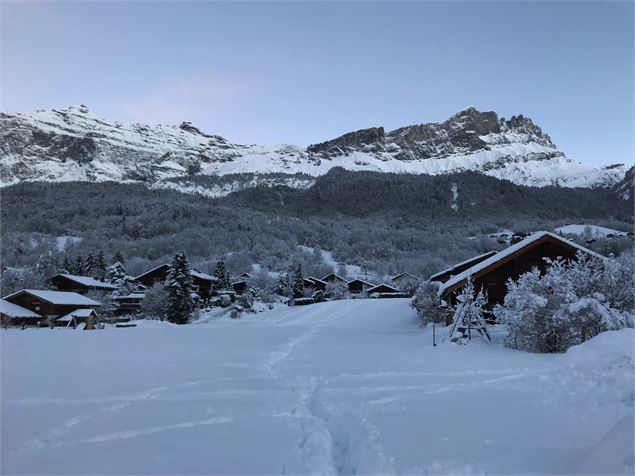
74,145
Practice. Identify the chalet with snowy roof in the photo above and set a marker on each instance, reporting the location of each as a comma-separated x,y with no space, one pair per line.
50,304
79,284
404,278
77,317
240,287
491,274
334,278
17,315
358,286
314,283
446,274
384,290
203,283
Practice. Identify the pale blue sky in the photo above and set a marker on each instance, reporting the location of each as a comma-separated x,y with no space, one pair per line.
303,72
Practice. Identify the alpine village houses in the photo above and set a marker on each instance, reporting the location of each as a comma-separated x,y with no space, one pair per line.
69,305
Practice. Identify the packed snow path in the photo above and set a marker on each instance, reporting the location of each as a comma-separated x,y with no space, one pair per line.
335,388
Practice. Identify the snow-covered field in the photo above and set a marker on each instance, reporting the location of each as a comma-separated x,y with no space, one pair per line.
339,387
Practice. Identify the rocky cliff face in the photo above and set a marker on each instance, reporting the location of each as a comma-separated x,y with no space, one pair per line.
625,188
73,144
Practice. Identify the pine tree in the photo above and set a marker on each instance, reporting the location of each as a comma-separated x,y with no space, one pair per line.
118,257
179,287
100,265
117,275
468,316
222,276
89,264
297,282
283,288
67,266
78,269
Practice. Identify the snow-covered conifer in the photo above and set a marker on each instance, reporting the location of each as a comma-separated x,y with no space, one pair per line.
222,276
100,265
297,282
179,288
468,315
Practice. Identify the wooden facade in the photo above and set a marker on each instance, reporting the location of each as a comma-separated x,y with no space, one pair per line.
492,275
358,286
333,278
314,283
129,304
383,289
203,283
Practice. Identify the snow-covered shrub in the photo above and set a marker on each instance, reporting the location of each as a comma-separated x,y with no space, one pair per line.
468,320
318,296
409,287
225,300
246,299
427,303
155,302
336,290
571,303
264,287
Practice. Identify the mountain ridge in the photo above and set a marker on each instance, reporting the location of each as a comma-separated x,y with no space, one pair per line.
74,145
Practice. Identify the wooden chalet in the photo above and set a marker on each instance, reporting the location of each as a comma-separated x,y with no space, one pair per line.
333,278
385,290
79,284
358,286
203,283
314,283
128,304
446,274
12,314
404,278
239,287
491,274
50,304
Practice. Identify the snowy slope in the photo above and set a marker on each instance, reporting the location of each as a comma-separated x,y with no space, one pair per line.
345,387
594,230
73,144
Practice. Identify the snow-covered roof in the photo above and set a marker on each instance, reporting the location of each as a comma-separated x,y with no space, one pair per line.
380,285
76,313
13,310
316,280
492,260
132,296
153,269
462,263
59,297
197,274
580,229
87,281
205,276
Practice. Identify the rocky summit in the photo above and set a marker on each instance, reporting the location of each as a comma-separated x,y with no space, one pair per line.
75,145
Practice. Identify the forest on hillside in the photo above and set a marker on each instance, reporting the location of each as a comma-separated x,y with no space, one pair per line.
386,223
